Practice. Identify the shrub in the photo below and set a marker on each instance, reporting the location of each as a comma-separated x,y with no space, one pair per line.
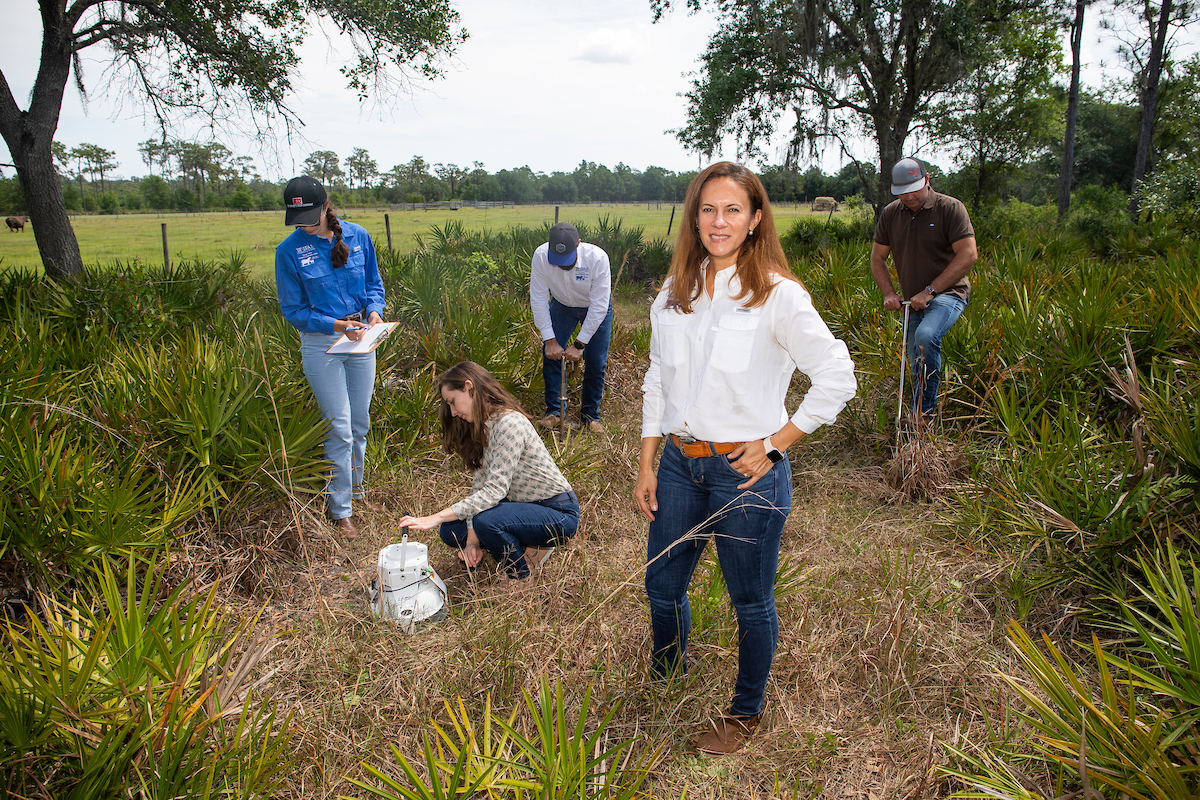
131,402
1174,190
1014,217
136,692
109,203
1100,216
1109,738
557,757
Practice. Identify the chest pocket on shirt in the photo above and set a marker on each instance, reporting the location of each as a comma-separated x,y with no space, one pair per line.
317,275
672,338
733,340
356,272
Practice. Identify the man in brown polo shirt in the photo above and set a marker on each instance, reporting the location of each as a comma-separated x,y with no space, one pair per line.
932,243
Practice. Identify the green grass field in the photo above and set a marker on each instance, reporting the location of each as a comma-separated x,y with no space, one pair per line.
105,239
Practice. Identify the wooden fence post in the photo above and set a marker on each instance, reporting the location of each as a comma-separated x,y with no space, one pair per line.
166,253
556,215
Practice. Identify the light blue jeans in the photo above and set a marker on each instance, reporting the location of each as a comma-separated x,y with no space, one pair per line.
343,385
925,331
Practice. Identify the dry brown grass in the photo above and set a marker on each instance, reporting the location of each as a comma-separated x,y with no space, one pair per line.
884,649
925,464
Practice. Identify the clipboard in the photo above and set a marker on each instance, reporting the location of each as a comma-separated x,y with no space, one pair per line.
368,343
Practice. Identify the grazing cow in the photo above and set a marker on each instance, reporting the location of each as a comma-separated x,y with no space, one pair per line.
15,224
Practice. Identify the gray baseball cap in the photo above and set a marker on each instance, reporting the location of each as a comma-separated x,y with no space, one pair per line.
908,175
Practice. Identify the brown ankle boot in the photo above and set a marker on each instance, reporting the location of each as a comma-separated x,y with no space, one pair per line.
346,528
727,734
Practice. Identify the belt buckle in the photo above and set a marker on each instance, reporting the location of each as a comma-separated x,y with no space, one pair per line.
356,317
686,439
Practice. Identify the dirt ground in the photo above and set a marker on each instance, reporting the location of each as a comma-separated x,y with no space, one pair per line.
889,632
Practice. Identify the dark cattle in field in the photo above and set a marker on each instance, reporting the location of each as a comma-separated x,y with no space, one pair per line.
15,223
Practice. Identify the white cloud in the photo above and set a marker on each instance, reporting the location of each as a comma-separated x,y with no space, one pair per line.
607,46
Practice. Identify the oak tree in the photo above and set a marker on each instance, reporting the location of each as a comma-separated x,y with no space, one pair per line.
845,69
215,58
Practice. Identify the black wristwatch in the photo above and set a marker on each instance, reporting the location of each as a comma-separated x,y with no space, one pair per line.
929,290
772,451
578,344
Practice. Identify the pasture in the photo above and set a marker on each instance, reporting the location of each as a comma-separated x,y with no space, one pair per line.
1061,473
104,239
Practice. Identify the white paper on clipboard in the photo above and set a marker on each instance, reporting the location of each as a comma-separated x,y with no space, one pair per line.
367,343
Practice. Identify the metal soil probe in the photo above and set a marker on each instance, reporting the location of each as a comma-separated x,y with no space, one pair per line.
903,354
562,389
564,425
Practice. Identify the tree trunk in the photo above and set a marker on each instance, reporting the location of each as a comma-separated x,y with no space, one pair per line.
30,134
1149,102
1067,176
51,224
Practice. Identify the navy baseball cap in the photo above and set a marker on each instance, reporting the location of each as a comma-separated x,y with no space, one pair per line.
564,241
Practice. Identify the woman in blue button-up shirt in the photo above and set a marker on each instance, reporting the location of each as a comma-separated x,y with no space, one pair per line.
328,284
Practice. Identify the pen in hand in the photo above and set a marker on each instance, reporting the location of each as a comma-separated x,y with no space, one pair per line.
354,330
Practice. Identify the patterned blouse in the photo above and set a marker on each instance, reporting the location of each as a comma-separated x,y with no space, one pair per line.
516,466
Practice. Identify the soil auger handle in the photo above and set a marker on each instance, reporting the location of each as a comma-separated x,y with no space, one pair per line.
903,354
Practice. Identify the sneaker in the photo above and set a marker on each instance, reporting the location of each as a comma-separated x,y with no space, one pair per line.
727,735
595,426
536,557
549,421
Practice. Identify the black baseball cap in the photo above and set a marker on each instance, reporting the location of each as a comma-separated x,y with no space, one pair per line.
564,241
303,198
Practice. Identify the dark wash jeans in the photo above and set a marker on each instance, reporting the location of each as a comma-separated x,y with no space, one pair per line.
507,528
746,526
565,319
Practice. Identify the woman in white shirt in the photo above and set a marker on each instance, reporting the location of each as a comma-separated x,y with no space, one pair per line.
728,329
520,504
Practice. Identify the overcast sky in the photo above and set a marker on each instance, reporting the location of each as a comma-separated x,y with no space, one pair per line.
543,83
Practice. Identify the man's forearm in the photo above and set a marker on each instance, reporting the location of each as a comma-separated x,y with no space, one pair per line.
879,271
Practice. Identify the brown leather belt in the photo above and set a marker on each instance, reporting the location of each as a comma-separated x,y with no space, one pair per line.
700,449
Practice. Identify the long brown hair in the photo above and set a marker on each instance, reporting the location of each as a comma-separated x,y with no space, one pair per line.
340,251
470,439
759,259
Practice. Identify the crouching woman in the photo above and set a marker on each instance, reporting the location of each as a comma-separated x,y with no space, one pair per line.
520,504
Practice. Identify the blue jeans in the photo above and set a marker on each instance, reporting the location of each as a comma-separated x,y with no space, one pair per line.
507,528
925,331
702,494
565,319
343,385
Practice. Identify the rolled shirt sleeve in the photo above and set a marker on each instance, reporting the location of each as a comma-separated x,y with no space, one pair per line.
721,373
